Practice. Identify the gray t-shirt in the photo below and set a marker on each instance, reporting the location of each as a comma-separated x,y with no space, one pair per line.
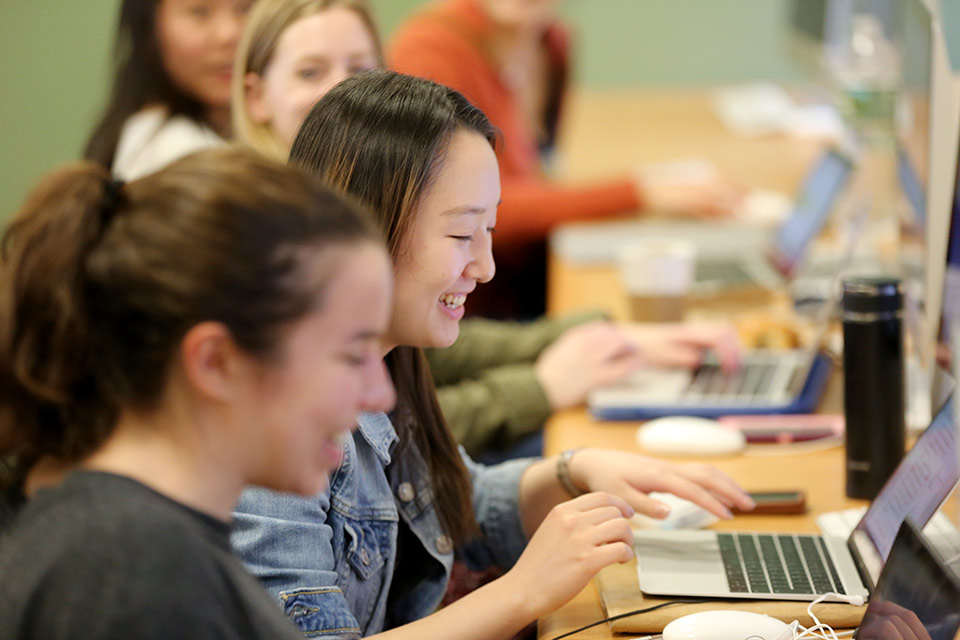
103,556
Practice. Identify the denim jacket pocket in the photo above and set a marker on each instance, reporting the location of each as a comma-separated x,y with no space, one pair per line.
364,546
320,611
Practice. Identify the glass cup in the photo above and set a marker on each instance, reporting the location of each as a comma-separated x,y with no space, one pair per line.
656,275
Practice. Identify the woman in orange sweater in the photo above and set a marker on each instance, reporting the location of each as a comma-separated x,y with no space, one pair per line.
511,59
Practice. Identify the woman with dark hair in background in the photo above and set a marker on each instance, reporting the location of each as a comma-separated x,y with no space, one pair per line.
375,551
169,341
171,84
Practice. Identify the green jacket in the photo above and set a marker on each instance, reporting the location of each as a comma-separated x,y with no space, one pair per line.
485,382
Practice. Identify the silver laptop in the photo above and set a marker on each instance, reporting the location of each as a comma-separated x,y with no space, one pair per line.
768,267
804,566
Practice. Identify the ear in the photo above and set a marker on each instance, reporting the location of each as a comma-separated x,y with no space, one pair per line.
254,90
213,364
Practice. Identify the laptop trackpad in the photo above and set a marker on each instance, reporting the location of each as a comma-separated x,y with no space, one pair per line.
679,562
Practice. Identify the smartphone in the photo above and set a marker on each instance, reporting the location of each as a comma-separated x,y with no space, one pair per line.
777,502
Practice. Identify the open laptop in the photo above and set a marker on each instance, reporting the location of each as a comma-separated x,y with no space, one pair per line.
766,381
805,566
917,595
768,267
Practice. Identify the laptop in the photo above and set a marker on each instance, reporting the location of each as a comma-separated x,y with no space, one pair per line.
917,595
766,382
769,267
774,566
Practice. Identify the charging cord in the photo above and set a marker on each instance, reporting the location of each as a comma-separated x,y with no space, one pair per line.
628,614
819,630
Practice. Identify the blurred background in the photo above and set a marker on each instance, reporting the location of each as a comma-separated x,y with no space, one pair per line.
55,57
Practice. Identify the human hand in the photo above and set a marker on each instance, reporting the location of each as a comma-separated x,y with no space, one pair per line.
889,621
701,192
631,477
683,344
575,540
584,358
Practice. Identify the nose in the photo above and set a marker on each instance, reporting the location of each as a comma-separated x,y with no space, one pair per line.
482,267
379,394
229,26
337,75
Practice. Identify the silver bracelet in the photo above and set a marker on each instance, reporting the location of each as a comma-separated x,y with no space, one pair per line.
563,473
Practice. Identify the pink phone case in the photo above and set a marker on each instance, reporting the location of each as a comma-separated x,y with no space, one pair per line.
786,428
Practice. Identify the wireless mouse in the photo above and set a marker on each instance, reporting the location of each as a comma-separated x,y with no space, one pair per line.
689,436
727,625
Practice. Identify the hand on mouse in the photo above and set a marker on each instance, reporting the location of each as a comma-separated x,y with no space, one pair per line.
584,358
632,477
683,344
575,540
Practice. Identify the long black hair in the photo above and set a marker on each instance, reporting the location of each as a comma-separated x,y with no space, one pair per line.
379,136
139,79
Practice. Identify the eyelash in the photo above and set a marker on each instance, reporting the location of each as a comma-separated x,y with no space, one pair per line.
490,230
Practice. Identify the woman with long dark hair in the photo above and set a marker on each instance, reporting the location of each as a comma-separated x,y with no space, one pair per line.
375,551
167,342
171,84
501,380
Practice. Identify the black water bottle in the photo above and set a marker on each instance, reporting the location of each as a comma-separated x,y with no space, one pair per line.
872,382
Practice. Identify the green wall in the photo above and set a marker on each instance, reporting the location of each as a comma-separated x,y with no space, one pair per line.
55,54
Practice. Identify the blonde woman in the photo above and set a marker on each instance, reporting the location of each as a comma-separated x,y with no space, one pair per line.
293,52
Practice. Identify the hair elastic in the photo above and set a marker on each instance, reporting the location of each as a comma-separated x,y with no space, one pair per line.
112,198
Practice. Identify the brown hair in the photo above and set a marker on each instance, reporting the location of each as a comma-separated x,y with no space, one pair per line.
379,136
100,282
266,23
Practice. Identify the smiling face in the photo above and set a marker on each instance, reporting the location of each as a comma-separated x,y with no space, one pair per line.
312,55
448,249
198,40
330,369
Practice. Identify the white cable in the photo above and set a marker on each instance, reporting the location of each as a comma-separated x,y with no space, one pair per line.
819,629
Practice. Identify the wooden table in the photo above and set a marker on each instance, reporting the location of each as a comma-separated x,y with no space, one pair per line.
607,132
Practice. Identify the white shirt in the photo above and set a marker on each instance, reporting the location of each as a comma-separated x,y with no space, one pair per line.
150,140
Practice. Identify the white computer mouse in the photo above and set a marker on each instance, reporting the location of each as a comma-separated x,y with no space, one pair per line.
727,625
689,436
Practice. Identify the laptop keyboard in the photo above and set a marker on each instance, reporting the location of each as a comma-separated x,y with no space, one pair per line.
753,378
778,563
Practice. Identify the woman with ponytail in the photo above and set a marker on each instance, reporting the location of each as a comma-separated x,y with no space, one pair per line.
167,342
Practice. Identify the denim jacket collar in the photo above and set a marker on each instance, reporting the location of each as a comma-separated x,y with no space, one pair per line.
379,433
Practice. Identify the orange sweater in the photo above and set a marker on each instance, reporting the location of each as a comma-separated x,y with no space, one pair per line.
446,43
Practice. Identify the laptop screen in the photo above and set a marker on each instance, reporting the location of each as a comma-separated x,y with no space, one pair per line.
816,198
917,597
916,489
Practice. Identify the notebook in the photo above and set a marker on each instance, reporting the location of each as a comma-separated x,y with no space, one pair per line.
803,566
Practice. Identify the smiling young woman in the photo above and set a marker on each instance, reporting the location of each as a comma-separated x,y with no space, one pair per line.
163,344
374,552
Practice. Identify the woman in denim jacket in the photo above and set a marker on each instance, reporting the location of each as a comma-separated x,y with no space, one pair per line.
375,551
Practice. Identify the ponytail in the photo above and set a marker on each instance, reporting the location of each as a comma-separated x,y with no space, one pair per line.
46,346
99,282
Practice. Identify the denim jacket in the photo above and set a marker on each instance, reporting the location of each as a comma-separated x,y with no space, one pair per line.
330,559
